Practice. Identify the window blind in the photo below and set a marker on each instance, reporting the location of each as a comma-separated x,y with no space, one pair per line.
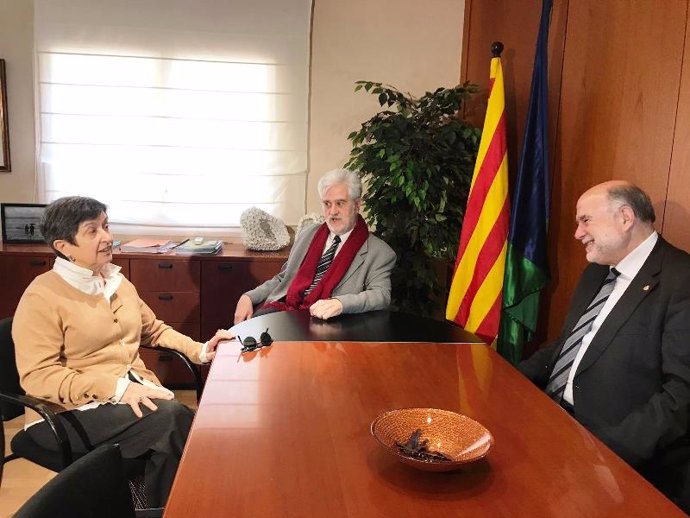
177,124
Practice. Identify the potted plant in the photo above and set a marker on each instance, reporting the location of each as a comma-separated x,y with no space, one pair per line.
416,157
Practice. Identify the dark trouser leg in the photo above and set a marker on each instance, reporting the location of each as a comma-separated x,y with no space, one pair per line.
162,433
669,472
175,421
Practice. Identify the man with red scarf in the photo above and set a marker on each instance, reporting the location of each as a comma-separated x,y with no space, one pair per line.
333,268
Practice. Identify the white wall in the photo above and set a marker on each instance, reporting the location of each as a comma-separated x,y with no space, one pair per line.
16,44
412,45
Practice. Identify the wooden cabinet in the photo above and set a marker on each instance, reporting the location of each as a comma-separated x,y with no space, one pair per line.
195,295
223,282
165,274
171,289
16,273
123,263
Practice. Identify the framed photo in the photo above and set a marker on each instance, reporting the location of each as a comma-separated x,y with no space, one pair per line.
4,122
21,222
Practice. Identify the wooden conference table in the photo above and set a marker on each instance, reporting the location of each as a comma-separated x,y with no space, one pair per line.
284,431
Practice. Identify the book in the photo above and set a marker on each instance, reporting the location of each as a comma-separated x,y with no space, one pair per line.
189,247
148,246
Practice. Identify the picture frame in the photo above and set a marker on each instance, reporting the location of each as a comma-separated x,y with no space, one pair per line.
21,222
4,122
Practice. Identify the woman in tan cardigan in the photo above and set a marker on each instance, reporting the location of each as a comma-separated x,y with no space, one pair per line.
77,331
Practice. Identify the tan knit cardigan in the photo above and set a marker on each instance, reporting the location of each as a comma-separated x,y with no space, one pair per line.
71,347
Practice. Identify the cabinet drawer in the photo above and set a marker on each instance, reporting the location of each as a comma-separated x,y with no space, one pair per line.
172,306
191,329
167,275
168,368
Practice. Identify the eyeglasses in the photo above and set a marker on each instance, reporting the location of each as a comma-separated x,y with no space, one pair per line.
250,344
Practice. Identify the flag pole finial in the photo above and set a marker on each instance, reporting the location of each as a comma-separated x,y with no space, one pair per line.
496,49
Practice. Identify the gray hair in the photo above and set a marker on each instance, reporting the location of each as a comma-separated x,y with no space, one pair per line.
636,199
62,218
337,176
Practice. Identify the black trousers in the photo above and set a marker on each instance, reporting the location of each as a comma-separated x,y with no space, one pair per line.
160,434
669,472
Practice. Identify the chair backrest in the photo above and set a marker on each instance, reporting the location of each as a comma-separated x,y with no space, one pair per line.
94,485
9,377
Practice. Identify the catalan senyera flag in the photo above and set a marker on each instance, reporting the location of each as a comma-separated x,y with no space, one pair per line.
475,295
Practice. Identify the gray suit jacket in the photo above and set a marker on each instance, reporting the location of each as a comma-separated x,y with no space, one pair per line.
366,285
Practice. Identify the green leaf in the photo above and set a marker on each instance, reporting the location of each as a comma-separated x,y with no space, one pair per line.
417,160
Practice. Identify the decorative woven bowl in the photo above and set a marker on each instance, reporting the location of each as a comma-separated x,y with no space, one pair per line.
455,435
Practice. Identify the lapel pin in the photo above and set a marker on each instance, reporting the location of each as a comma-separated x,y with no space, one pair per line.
646,288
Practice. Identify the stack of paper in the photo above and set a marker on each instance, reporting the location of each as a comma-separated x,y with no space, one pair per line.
148,246
203,248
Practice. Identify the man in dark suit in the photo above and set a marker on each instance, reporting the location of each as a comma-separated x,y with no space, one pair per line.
621,366
333,268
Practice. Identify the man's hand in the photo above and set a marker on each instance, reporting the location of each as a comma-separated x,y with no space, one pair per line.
326,309
244,309
221,335
137,394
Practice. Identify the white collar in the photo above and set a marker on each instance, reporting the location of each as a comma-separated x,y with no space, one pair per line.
343,237
631,263
84,279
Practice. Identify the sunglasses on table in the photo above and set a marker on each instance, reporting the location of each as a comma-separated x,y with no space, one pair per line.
250,344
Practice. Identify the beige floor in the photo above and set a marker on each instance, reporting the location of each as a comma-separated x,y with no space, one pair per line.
21,478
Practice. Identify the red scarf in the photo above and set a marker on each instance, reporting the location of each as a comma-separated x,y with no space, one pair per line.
295,298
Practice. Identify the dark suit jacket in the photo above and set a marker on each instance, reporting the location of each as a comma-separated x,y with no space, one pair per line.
632,388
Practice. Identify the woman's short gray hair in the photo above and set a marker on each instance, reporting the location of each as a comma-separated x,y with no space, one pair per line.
62,218
337,176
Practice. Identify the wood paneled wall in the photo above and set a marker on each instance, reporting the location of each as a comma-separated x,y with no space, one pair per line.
619,99
677,214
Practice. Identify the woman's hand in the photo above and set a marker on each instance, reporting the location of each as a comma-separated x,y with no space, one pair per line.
220,336
137,394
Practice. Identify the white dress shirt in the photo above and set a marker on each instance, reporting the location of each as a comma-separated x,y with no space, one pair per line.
628,268
85,281
331,237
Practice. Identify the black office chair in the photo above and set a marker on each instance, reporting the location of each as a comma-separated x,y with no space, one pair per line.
93,486
13,400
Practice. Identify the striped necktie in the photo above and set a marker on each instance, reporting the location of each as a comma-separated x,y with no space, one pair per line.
324,263
559,375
